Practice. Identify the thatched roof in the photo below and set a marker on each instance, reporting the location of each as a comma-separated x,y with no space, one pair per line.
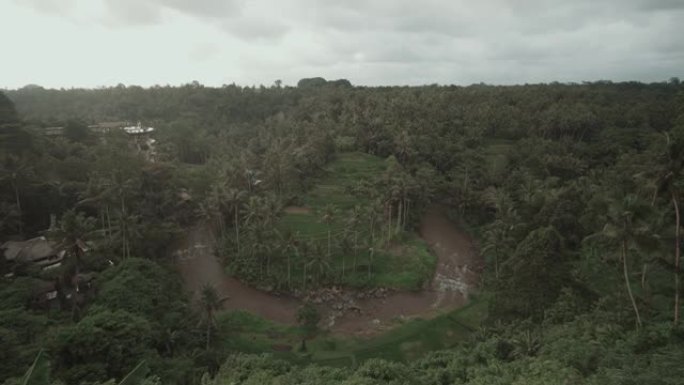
109,125
31,250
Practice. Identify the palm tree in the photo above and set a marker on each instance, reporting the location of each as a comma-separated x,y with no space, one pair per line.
211,303
235,198
403,146
497,240
129,229
371,253
258,247
16,169
72,233
388,206
373,214
328,217
627,228
253,210
290,245
100,194
318,262
271,208
667,183
354,220
214,206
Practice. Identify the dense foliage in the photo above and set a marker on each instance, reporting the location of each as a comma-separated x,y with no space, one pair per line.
572,190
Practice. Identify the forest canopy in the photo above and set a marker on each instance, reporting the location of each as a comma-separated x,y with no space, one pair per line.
572,193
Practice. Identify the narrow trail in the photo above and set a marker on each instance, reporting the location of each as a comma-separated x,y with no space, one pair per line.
199,265
456,273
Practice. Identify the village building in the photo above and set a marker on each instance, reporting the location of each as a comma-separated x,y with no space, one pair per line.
142,140
37,251
140,135
107,127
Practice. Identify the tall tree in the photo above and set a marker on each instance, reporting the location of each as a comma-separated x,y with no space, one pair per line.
328,217
627,227
211,303
235,199
668,183
73,232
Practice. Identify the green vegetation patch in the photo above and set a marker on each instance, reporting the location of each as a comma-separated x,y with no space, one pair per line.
333,188
407,264
341,174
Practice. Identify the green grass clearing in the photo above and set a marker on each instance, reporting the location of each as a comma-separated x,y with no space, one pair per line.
408,266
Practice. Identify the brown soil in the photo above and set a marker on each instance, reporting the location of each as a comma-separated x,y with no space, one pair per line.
455,275
348,312
198,266
297,210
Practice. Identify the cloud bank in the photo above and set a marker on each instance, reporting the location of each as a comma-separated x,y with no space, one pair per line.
61,43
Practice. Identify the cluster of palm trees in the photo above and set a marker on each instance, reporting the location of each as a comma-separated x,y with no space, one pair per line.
261,250
625,220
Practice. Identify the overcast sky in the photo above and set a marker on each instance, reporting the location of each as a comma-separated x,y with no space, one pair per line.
91,43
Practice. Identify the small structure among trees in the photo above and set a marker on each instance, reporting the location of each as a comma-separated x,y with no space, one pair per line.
37,251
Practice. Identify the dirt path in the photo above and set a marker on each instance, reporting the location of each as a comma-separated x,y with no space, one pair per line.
349,312
198,266
456,273
297,210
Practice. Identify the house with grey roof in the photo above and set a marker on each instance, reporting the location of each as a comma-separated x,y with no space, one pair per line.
37,251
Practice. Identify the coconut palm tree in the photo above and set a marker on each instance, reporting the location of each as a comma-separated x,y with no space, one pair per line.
318,262
129,229
235,198
354,220
100,194
16,169
211,303
627,228
290,245
214,203
668,183
497,240
72,234
253,210
329,212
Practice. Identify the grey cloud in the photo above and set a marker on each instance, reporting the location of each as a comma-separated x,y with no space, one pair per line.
205,8
150,11
418,42
227,15
658,5
54,7
255,29
132,12
202,52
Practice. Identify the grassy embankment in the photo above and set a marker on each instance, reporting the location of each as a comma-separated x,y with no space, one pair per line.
247,333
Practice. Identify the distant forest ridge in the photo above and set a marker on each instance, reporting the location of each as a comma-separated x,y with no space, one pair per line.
507,111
